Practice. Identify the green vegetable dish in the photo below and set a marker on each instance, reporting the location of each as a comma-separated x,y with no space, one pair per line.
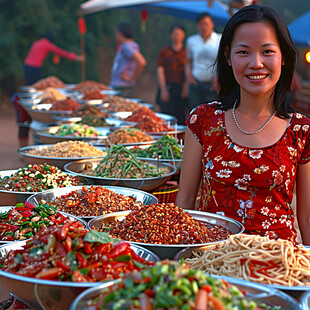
77,130
170,285
166,147
121,163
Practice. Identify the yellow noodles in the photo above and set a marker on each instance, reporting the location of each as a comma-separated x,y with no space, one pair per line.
257,259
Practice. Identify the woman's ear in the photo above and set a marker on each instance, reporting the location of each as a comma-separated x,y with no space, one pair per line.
227,55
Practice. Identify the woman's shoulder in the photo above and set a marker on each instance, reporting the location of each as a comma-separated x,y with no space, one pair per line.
208,107
299,118
205,113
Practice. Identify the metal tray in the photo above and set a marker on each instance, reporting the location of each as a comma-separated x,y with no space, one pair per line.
170,250
47,137
9,198
41,113
46,294
111,92
252,291
187,253
145,184
50,195
305,300
71,217
171,120
55,161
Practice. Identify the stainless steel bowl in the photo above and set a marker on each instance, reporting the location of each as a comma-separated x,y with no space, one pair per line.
27,89
50,195
171,120
47,135
55,161
71,217
41,112
10,198
90,101
145,184
111,92
253,291
305,300
170,250
29,102
46,294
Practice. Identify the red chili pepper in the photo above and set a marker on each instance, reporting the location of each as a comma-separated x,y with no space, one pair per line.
149,292
63,231
98,274
29,205
104,249
80,258
207,288
7,227
7,238
87,247
78,277
26,213
68,244
21,209
62,265
60,249
50,273
119,249
243,261
264,269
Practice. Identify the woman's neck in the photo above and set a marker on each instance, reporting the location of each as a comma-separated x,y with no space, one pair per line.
255,106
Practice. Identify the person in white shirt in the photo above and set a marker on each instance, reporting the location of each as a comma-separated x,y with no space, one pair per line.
201,51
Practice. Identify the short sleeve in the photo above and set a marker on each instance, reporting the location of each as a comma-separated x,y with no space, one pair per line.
189,52
305,156
194,122
161,58
129,49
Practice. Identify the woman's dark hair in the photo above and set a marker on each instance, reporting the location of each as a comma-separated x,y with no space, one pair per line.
125,29
229,90
49,35
174,26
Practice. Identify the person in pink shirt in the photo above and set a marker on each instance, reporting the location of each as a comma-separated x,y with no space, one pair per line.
37,54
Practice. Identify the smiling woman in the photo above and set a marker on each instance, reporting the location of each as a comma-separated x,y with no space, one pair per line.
251,148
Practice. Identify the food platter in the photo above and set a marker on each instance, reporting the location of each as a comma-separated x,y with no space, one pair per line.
74,119
170,250
47,137
171,120
55,161
145,184
71,217
47,294
10,198
252,291
50,195
187,253
41,112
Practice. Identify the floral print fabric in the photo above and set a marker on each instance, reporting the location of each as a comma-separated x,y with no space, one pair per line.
252,186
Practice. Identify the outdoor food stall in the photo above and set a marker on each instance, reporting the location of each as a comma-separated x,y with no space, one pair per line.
90,221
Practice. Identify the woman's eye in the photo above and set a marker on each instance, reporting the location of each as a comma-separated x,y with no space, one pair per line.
242,52
268,52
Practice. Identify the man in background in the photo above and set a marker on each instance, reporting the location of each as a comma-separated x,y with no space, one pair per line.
128,63
201,51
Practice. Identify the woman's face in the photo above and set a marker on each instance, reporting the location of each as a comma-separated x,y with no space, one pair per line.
256,58
177,35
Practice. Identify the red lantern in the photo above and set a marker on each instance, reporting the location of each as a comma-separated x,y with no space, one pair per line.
144,17
82,25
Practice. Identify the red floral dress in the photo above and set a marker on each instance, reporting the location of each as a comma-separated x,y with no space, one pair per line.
252,186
